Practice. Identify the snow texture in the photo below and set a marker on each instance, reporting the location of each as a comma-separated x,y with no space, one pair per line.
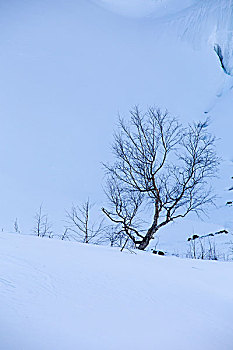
142,8
213,20
65,296
209,19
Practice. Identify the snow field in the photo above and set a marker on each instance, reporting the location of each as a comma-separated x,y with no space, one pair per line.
64,296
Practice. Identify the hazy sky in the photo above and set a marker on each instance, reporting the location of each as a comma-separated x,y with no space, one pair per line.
67,68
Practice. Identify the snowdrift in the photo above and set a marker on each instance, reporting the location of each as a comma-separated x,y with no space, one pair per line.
65,296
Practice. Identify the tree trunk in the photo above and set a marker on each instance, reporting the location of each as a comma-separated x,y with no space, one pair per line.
148,237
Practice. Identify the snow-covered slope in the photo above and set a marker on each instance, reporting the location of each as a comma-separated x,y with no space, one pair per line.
67,296
141,8
211,20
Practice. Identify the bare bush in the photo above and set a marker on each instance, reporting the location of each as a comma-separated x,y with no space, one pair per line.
16,226
114,236
81,228
42,227
204,247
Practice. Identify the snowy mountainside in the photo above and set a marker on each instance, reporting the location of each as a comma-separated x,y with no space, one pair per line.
198,20
206,27
139,8
128,61
64,296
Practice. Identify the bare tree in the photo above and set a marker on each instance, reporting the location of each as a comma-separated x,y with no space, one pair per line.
42,227
159,166
84,230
